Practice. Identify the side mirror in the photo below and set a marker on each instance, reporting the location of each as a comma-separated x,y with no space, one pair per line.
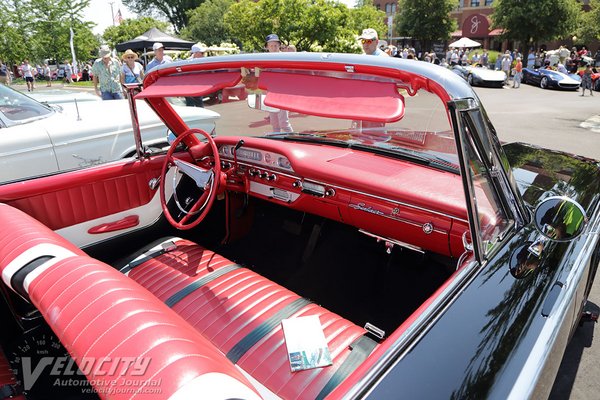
560,219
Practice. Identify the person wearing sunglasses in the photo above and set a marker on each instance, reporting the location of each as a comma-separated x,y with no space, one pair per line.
370,43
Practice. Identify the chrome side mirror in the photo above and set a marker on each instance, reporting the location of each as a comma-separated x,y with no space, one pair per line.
560,219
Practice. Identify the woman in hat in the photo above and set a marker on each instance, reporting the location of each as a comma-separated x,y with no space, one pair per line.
131,71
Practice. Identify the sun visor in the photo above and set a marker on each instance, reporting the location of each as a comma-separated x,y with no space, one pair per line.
190,85
333,97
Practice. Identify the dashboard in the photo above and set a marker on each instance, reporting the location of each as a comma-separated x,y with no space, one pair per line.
401,203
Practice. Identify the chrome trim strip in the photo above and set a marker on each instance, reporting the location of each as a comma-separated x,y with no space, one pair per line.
444,232
394,241
265,190
397,202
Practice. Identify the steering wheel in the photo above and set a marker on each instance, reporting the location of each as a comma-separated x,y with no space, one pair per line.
207,179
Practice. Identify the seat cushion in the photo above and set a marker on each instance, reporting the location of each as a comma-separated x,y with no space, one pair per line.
99,314
228,307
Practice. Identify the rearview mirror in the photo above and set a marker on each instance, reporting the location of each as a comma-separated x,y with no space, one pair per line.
560,218
257,101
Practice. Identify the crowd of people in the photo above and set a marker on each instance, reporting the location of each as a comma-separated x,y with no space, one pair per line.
109,73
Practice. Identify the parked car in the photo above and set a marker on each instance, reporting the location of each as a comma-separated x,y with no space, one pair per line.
38,139
480,76
548,78
355,230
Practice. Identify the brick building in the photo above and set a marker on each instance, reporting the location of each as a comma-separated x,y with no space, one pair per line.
474,22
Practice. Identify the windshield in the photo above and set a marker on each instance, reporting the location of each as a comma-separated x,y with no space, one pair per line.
15,107
360,111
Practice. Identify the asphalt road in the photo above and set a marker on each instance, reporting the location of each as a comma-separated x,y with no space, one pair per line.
561,120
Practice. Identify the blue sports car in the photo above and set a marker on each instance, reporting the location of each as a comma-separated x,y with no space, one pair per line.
548,78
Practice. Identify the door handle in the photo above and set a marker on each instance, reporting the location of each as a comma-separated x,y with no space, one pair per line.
127,222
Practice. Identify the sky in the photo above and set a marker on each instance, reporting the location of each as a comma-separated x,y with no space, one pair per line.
99,13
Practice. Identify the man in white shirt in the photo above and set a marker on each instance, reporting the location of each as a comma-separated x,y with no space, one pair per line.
159,56
27,72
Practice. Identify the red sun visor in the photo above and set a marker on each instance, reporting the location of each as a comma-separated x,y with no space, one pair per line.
190,85
333,97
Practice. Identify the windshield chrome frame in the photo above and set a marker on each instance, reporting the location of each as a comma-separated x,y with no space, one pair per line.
498,178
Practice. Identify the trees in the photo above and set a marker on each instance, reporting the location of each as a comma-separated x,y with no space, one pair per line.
588,24
317,25
530,22
365,15
130,28
206,22
40,29
425,20
174,10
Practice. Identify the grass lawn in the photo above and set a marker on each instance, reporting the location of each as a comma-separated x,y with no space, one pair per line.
82,84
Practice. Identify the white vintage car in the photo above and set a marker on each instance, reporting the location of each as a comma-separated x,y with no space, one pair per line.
40,139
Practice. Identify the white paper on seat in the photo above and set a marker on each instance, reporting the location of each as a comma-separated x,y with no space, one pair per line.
305,342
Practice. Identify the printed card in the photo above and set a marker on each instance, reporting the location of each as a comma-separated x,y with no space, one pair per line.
306,344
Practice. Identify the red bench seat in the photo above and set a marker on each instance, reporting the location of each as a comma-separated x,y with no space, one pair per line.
233,304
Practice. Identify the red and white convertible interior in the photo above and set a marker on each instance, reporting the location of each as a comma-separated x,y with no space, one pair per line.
285,227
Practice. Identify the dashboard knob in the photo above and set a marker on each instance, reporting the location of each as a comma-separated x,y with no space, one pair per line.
253,172
271,177
263,175
330,192
297,184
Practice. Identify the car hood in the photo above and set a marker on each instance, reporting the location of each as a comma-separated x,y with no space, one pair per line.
113,115
59,96
541,173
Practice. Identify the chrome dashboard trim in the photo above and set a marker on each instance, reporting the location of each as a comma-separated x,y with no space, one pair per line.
337,187
371,210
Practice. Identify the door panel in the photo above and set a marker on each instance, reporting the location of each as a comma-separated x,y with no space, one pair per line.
73,203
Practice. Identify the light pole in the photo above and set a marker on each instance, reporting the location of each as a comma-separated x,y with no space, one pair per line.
112,15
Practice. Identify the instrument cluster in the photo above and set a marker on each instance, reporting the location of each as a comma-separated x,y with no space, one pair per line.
260,157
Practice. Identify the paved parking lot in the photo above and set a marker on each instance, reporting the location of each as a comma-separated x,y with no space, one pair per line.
560,120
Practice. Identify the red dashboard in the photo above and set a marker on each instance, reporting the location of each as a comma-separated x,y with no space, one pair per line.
404,203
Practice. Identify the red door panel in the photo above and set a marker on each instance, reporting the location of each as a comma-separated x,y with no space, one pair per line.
71,198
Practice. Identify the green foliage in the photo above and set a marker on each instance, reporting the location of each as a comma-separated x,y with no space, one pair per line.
530,22
40,29
588,24
130,28
176,11
310,25
425,20
365,15
206,22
